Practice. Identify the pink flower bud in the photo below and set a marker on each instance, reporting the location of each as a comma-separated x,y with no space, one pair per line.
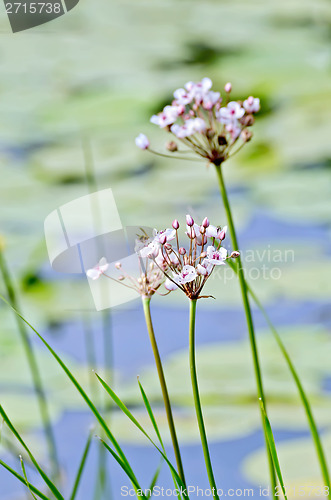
205,222
221,234
118,265
202,230
175,224
235,255
189,220
193,234
142,141
182,251
163,239
228,87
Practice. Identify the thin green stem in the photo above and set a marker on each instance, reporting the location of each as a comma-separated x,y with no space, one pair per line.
196,396
165,394
249,319
35,373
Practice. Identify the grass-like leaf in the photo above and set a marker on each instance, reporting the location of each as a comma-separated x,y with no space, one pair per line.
154,479
49,483
272,448
311,421
23,480
80,390
125,468
26,478
127,412
81,466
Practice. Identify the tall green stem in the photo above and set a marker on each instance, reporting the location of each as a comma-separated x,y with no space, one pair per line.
249,319
196,396
165,394
36,377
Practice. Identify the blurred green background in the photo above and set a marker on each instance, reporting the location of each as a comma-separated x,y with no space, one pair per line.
95,76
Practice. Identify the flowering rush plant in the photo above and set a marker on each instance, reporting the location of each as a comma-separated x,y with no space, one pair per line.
213,126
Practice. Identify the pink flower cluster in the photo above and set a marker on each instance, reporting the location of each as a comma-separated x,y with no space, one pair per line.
187,269
205,122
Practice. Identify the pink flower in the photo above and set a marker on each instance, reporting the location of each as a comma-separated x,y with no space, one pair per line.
231,113
98,270
216,257
211,231
183,97
142,141
187,274
205,268
167,117
150,250
210,99
233,130
252,104
164,236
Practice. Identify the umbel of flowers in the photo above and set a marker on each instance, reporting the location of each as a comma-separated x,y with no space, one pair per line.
213,126
188,269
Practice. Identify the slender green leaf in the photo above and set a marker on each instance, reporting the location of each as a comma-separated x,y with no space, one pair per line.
272,447
124,467
81,466
127,412
22,479
49,483
26,478
155,478
153,420
150,413
78,387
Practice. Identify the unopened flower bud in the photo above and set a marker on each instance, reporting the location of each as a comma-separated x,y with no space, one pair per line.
203,255
222,140
193,233
189,220
142,141
175,224
210,133
235,255
222,233
118,265
228,87
246,135
171,146
162,239
202,230
121,278
205,222
182,251
247,120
